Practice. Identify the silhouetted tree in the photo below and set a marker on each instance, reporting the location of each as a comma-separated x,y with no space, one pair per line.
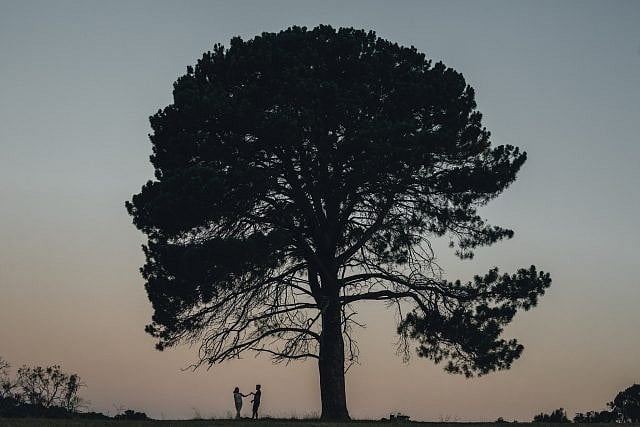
626,405
130,414
302,172
39,392
8,399
557,416
595,417
6,384
49,387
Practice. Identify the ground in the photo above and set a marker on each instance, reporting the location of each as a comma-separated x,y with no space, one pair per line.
267,423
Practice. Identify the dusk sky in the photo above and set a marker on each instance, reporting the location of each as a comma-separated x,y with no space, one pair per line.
561,80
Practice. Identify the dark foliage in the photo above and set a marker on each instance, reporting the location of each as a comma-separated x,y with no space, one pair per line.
299,173
48,387
627,404
39,392
130,414
8,407
11,407
595,417
6,383
557,416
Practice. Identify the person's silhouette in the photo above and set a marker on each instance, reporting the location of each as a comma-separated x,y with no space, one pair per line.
256,401
237,398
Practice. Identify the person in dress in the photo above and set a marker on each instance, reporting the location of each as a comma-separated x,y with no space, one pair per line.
237,399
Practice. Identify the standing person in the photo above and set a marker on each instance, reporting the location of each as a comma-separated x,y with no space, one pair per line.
256,401
237,398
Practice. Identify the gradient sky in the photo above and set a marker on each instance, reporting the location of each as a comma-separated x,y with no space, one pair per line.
78,80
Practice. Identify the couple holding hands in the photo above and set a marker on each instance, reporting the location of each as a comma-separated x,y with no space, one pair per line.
237,397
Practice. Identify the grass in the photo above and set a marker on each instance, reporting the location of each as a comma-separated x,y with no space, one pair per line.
33,422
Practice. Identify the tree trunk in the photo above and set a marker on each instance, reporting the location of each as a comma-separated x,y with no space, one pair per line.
331,364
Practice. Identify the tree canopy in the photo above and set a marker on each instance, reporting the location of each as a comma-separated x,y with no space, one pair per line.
301,172
556,416
627,404
38,391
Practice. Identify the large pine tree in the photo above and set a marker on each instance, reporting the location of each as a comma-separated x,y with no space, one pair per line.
300,172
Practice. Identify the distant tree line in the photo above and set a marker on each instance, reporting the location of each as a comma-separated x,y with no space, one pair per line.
557,416
49,392
596,417
624,408
46,392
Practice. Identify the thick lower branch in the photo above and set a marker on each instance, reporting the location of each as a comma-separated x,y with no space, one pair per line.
386,295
